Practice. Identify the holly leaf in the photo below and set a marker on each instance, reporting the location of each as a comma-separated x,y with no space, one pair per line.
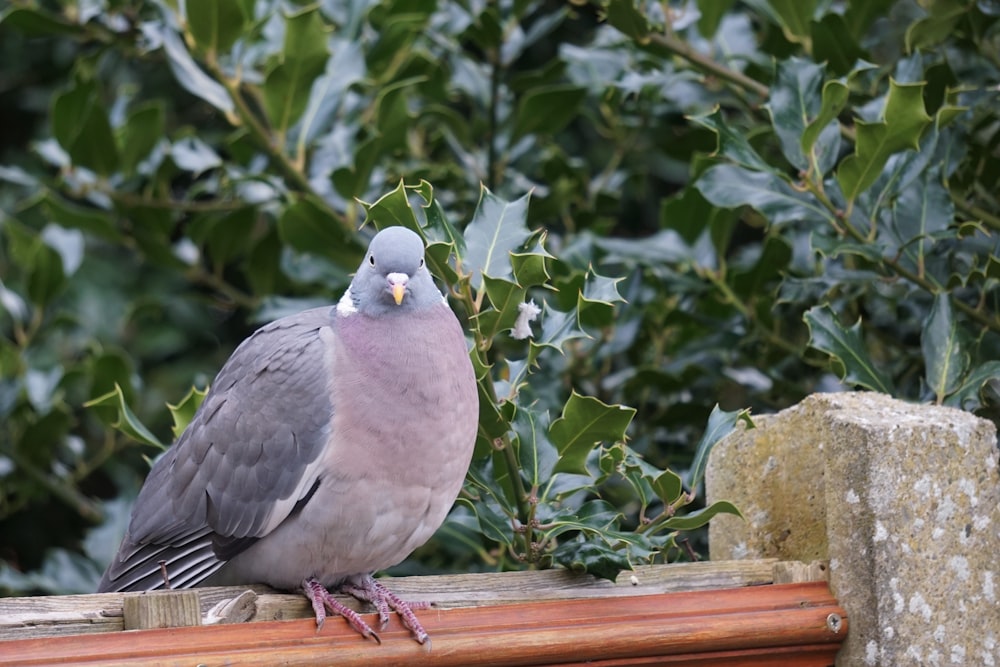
720,424
903,121
942,343
585,422
184,411
847,349
125,420
498,228
287,87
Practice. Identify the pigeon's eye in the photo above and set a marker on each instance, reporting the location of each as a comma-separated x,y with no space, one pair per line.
421,262
371,259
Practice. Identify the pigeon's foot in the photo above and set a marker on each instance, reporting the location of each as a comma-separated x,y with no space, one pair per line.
368,589
322,600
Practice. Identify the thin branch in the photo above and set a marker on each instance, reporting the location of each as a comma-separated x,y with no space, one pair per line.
139,201
66,493
264,139
705,64
989,219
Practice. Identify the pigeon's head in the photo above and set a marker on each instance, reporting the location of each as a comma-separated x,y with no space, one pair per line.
392,278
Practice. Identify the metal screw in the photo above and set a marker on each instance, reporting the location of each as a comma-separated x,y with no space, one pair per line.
834,622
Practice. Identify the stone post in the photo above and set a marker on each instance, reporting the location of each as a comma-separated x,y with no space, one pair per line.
903,501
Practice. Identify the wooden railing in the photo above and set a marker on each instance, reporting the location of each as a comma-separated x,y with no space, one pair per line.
719,613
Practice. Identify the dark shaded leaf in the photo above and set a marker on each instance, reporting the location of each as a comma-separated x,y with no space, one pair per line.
80,124
594,558
497,229
215,24
190,76
125,420
585,422
287,87
903,121
731,186
943,346
720,424
847,349
701,517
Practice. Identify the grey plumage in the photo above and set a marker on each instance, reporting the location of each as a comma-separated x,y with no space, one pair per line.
331,444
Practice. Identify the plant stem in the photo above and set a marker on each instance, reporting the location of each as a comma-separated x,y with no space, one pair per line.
68,494
138,201
264,140
705,64
989,219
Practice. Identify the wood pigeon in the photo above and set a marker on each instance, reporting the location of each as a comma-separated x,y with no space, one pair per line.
330,446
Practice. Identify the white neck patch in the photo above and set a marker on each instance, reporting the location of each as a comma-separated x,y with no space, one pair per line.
345,306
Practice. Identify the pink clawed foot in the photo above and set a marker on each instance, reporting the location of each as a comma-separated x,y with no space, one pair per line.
322,600
367,588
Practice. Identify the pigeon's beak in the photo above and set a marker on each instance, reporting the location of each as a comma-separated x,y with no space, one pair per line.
397,284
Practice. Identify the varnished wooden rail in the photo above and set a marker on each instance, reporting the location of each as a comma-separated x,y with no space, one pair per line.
593,623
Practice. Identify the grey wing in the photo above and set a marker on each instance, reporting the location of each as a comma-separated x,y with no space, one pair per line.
243,465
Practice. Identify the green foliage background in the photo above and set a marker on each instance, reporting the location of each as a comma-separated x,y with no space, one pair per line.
712,202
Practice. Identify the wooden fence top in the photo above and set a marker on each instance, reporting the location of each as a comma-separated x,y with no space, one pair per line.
714,613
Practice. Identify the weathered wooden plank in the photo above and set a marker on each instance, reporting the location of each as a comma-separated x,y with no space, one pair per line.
161,609
738,627
85,614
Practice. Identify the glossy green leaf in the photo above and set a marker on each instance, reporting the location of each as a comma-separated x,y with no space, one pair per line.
623,15
215,24
861,14
833,44
720,424
967,395
846,348
493,523
183,412
732,141
944,16
392,209
125,420
919,214
547,110
80,124
794,103
585,422
701,517
557,329
795,17
712,12
903,121
88,219
594,558
536,454
287,87
37,22
832,101
41,264
143,129
667,486
439,226
596,302
498,228
505,297
530,267
946,360
731,186
190,76
307,226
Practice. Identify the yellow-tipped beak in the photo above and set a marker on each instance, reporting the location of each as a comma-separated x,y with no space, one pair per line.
398,292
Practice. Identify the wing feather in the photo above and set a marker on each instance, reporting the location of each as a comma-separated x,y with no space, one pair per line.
246,459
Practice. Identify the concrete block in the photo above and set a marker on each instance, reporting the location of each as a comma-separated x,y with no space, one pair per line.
902,499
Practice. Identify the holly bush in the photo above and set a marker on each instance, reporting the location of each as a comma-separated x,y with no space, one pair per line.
651,216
